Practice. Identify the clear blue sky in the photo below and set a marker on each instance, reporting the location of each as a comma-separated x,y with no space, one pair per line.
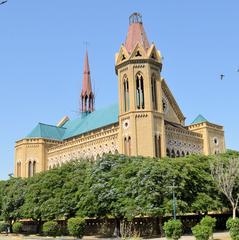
42,51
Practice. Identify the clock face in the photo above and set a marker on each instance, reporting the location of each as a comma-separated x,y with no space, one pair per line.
125,124
165,105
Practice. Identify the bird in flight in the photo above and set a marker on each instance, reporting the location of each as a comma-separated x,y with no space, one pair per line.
222,76
3,2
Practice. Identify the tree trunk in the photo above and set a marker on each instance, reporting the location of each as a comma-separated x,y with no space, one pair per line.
234,209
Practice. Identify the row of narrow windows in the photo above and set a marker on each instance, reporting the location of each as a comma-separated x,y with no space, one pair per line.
87,103
31,168
91,158
174,154
140,100
127,146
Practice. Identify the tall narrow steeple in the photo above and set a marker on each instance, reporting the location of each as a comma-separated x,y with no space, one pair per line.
87,95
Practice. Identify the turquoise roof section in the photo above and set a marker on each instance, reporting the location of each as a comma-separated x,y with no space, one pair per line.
199,119
91,121
84,123
47,131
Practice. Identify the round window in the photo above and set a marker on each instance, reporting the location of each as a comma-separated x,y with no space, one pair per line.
215,140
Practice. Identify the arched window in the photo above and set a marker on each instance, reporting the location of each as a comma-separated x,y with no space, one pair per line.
156,145
168,153
34,168
139,91
30,169
116,151
178,153
154,92
187,153
129,146
125,146
183,154
173,153
159,147
126,93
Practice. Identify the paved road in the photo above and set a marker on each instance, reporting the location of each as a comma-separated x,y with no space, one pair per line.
216,236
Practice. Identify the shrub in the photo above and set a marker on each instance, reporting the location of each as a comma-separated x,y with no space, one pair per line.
76,226
209,222
173,229
233,227
201,232
3,227
50,228
17,227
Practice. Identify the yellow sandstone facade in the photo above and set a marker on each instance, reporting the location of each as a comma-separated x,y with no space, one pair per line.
146,122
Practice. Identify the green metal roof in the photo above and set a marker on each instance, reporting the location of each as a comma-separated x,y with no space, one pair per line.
47,131
84,123
199,119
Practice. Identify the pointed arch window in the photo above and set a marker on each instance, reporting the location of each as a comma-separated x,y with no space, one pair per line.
127,146
34,168
30,169
139,91
126,93
154,92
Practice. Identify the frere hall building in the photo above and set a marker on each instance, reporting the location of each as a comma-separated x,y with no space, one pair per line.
147,120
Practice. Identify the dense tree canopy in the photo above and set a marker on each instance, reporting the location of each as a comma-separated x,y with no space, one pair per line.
116,186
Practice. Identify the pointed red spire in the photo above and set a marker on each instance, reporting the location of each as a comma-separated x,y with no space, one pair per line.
136,33
87,95
86,83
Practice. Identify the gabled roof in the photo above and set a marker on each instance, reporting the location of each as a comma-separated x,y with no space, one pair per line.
199,119
85,123
91,121
47,131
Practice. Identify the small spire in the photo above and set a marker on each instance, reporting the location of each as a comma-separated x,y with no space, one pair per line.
136,33
87,95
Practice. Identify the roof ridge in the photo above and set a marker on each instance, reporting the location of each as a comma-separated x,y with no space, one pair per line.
50,125
199,119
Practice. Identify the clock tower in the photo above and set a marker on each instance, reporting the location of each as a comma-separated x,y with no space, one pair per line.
141,119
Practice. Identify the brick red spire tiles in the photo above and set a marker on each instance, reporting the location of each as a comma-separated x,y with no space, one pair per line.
136,33
87,95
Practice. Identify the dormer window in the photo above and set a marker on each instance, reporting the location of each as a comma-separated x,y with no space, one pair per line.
123,57
138,54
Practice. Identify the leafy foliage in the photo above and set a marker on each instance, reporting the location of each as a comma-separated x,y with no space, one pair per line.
201,232
209,222
17,227
76,227
114,186
3,227
233,227
173,229
50,228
